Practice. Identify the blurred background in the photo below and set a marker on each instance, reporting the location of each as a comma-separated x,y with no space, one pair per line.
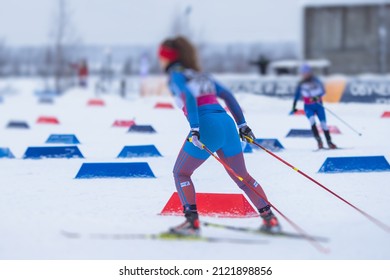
88,68
65,40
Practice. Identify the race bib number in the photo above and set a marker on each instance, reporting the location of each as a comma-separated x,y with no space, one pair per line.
201,84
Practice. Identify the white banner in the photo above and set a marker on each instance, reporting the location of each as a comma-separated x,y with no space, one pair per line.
194,269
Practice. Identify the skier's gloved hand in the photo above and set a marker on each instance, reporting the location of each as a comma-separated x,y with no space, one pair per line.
194,138
315,99
245,133
293,111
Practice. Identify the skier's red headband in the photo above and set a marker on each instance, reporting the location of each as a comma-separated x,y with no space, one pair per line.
168,53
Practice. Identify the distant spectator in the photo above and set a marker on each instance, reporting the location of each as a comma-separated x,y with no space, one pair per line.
82,72
123,87
262,63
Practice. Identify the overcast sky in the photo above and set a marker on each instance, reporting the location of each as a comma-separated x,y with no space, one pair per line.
135,21
124,22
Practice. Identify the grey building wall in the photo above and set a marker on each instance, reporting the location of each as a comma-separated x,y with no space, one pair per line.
353,38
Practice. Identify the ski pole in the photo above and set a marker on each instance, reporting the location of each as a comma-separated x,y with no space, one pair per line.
312,241
371,218
344,122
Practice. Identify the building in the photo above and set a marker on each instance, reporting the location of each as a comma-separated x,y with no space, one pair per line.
353,35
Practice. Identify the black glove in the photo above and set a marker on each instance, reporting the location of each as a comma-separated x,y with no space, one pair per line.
246,134
195,136
315,99
294,108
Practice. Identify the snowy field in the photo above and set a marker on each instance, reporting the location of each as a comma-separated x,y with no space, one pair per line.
41,198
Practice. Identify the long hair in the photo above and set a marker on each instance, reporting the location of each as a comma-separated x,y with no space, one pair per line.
187,52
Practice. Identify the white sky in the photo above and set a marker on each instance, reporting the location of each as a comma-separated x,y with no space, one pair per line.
142,21
123,22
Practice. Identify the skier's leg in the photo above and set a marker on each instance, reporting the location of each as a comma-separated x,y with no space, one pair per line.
310,114
237,163
320,111
322,117
231,153
317,136
189,159
184,167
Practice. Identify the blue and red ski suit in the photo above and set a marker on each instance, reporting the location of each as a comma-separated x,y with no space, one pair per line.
312,90
196,94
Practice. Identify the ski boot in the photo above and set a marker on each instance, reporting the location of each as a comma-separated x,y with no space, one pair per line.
319,143
317,136
191,226
270,222
331,145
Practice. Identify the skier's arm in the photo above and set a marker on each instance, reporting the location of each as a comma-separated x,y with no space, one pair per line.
231,103
321,84
296,98
179,88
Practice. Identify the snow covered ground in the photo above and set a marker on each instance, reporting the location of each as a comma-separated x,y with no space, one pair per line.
40,198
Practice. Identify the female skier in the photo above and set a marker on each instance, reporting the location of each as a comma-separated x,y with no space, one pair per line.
196,94
312,90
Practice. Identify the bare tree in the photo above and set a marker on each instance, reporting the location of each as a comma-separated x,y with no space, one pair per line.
63,42
181,22
127,67
3,56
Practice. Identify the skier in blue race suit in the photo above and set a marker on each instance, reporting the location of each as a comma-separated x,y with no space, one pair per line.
196,94
312,90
